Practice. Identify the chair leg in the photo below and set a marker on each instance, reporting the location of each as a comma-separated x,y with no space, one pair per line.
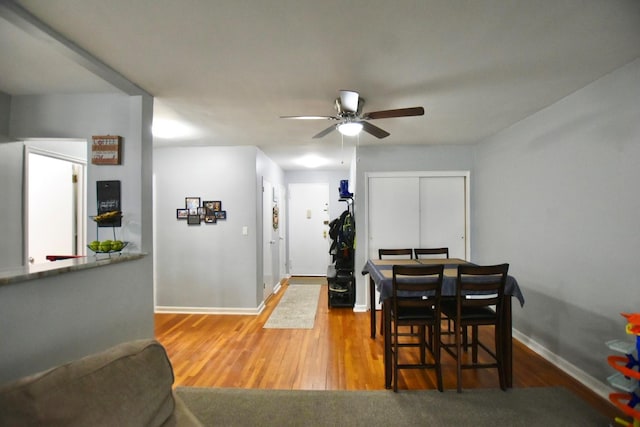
435,346
474,344
465,339
499,347
458,330
394,357
423,344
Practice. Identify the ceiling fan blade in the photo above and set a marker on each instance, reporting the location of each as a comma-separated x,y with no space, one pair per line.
324,132
374,130
401,112
349,101
309,117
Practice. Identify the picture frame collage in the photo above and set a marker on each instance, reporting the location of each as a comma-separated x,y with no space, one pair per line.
209,212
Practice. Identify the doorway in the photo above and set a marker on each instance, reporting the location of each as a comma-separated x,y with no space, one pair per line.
308,219
270,240
55,205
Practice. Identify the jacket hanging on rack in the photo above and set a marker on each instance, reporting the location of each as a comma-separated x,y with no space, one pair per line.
342,231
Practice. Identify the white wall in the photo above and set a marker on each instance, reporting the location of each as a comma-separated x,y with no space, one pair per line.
210,267
52,320
331,177
556,195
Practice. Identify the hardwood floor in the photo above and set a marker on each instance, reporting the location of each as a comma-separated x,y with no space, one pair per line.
337,354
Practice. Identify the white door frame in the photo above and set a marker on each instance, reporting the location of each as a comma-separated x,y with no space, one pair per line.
80,220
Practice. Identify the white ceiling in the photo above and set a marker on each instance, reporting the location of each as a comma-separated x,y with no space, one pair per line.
230,68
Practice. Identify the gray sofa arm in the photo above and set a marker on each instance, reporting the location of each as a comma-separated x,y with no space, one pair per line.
127,385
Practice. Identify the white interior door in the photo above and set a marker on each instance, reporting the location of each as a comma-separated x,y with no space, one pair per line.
51,208
269,240
394,213
308,219
442,211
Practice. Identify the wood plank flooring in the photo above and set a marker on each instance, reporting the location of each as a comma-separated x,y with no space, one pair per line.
337,354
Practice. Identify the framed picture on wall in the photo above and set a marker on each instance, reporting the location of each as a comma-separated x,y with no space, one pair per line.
220,214
210,219
182,213
193,219
192,203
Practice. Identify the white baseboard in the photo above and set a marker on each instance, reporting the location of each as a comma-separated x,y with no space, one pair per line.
599,387
211,310
360,308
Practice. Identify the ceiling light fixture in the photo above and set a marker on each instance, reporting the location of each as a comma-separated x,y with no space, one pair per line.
170,129
350,128
312,161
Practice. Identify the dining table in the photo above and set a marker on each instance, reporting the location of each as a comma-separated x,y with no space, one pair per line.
380,273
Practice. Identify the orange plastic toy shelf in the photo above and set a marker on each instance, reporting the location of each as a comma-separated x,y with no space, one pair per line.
618,363
621,401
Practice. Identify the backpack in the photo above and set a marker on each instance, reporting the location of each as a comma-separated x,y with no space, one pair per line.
342,231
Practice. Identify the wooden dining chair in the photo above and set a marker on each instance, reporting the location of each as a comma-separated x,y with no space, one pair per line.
479,302
416,302
430,252
395,253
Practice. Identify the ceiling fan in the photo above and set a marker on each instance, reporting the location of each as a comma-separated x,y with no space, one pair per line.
352,121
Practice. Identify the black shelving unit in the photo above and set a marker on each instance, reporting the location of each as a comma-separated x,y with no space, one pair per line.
340,279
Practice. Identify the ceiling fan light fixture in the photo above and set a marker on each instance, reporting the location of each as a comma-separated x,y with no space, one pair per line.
350,128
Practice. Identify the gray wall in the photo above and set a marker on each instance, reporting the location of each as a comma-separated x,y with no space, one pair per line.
82,116
5,108
557,196
51,320
210,267
398,158
11,217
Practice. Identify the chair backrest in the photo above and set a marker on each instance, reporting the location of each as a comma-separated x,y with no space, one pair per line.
481,286
416,286
395,252
431,251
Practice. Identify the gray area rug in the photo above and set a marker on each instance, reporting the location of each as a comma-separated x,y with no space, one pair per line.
307,280
296,309
516,407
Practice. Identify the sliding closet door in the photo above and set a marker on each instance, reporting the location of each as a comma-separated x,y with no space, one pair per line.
420,209
394,213
442,214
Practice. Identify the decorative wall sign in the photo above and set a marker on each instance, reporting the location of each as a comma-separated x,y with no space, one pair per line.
276,219
106,150
108,198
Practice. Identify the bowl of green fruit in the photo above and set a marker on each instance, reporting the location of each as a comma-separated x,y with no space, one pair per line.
107,246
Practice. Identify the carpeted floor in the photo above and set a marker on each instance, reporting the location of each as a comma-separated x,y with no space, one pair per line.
515,407
297,308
